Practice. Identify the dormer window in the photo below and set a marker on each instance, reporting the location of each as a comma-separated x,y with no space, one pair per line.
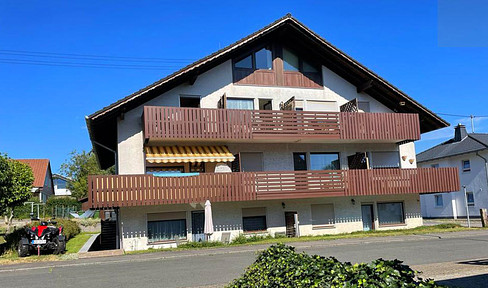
259,60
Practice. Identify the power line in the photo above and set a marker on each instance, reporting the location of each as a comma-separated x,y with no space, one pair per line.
6,51
467,116
84,65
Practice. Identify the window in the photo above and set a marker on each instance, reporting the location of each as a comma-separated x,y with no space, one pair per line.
390,213
290,61
322,215
324,161
308,68
60,183
165,169
264,59
300,161
265,104
326,106
251,161
261,59
385,159
470,198
189,101
438,201
166,226
240,103
434,166
466,166
364,106
254,219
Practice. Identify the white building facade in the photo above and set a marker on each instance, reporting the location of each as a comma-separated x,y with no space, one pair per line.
279,140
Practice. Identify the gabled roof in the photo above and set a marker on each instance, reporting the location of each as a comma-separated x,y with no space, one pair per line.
102,124
40,168
472,143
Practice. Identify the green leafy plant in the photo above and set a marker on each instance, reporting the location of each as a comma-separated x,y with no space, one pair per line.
202,244
243,239
281,266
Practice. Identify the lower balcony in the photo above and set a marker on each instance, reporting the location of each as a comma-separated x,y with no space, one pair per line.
138,190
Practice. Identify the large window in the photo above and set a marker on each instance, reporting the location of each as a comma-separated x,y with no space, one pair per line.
324,161
391,213
166,226
254,219
60,183
322,215
261,59
251,161
385,159
300,161
240,103
291,62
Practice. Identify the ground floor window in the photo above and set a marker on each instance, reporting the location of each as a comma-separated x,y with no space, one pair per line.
438,201
322,215
391,213
166,226
254,219
470,198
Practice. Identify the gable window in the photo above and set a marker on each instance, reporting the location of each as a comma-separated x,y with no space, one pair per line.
322,215
254,219
240,103
324,161
466,166
290,61
259,60
438,201
470,198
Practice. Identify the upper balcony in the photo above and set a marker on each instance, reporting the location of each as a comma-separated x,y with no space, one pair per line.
176,124
108,191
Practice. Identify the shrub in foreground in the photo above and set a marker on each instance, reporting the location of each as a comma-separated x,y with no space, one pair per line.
281,266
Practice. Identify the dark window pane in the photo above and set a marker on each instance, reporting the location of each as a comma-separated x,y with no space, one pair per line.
60,183
470,198
300,161
324,161
254,223
390,213
264,59
166,230
290,61
307,67
245,63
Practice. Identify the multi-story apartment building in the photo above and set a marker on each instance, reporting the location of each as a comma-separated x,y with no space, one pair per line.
281,131
469,153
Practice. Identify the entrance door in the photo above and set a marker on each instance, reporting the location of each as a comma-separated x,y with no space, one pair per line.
291,230
367,215
197,223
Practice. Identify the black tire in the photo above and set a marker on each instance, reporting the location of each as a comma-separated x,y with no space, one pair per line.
22,250
60,246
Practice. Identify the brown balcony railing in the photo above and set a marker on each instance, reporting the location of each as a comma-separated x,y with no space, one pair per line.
136,190
174,123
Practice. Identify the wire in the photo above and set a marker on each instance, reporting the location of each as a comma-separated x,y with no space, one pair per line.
457,115
5,51
82,65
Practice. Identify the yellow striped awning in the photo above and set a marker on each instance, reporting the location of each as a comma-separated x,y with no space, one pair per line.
184,154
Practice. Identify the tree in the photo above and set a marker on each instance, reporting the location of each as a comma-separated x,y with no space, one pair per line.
16,180
78,167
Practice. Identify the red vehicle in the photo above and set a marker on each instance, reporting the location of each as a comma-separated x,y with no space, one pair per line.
44,237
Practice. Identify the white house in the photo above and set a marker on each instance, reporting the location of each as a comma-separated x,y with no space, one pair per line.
468,152
281,131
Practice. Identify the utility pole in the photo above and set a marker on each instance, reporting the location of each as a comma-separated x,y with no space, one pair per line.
472,123
466,203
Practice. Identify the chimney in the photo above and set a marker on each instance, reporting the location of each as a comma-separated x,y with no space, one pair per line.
460,132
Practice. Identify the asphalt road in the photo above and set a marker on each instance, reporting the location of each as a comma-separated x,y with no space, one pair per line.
456,258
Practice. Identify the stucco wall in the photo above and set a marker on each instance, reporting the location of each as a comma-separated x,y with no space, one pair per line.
227,217
454,202
210,86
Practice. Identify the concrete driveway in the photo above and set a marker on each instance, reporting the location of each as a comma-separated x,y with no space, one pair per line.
458,258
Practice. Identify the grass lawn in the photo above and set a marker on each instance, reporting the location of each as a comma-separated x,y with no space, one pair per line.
74,245
256,240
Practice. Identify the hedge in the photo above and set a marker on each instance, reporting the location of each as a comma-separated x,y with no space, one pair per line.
281,266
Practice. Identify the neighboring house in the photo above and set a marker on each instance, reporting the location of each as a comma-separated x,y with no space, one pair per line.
61,185
281,131
468,152
43,178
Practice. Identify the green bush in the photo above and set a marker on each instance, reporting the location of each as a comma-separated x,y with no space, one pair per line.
201,244
281,266
243,239
70,228
23,211
448,226
62,201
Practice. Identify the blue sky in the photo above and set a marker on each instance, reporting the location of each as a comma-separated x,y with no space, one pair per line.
43,107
